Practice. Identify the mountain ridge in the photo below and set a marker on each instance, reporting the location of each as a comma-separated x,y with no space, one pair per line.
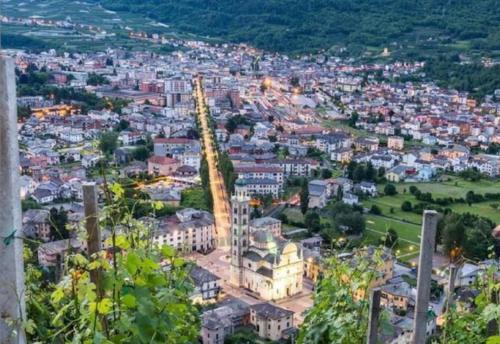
295,26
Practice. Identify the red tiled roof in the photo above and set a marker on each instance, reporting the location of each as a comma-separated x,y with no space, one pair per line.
162,160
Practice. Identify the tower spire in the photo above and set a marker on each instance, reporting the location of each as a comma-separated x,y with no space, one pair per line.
240,228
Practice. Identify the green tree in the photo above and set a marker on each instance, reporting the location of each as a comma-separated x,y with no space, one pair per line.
406,206
358,174
472,325
326,173
141,153
391,238
312,221
304,197
96,79
469,197
353,119
370,172
205,182
23,112
226,168
350,222
234,121
478,240
195,197
29,203
122,125
340,311
108,142
375,210
143,296
58,219
390,190
453,234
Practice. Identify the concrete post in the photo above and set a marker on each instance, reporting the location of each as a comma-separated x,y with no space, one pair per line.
12,307
451,286
427,242
492,326
373,317
91,225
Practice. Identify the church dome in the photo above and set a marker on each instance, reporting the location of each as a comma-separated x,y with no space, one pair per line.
264,240
263,237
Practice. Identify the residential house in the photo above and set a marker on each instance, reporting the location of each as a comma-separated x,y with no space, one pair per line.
330,142
318,194
366,188
162,165
218,323
43,196
167,146
400,173
296,167
386,161
398,295
366,144
207,285
268,224
188,230
261,186
52,253
36,224
269,321
260,171
349,198
395,142
342,155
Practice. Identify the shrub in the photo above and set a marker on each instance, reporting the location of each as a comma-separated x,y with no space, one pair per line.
375,210
406,206
390,190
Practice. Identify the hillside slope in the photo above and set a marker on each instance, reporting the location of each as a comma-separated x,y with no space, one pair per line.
305,26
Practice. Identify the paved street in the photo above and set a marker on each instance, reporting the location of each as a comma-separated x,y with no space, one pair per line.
217,262
220,198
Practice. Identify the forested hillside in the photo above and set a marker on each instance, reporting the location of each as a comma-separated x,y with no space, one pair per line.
305,26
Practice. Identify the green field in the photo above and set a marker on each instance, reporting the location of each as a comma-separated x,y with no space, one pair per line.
407,224
449,187
453,186
407,246
294,215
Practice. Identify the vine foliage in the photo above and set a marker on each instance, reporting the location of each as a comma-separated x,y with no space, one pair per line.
141,297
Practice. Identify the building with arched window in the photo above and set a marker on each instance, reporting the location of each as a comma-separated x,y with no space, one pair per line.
261,262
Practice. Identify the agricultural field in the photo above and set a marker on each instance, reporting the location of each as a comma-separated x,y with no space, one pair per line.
114,26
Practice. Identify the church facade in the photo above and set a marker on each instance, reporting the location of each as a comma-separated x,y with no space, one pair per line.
266,265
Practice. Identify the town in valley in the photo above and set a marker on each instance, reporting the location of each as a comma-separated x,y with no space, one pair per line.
261,170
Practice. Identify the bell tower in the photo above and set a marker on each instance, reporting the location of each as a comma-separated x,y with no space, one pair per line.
240,228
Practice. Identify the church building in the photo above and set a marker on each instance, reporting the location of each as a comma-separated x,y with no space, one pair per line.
269,266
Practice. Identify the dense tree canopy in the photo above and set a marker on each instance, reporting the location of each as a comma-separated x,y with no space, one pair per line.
305,26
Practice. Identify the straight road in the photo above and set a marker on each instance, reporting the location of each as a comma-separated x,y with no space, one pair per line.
221,207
